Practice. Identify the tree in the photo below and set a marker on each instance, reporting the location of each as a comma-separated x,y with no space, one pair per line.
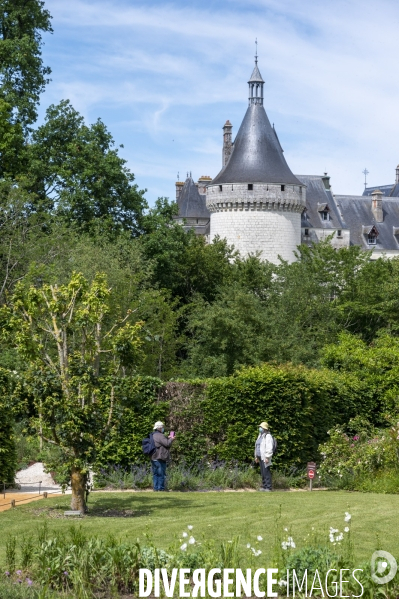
74,363
12,150
22,73
77,168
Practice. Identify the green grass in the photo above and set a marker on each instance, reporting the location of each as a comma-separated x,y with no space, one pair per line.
219,516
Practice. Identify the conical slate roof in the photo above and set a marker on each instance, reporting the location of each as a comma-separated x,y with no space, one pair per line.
256,76
257,156
190,202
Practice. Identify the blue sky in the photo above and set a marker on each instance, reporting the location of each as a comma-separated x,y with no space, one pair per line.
165,76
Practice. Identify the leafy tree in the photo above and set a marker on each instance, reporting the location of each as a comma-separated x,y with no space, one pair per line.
73,365
22,73
183,262
12,148
226,334
77,167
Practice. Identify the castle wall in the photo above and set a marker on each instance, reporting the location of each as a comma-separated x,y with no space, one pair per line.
266,219
271,233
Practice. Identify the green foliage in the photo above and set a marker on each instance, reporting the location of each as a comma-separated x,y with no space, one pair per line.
137,410
299,404
218,418
73,364
8,458
78,168
22,74
359,456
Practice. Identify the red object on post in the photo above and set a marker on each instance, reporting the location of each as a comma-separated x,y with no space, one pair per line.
311,471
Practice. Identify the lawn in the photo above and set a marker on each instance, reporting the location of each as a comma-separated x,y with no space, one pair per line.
220,516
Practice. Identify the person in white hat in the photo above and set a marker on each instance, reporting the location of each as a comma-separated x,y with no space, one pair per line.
263,455
161,456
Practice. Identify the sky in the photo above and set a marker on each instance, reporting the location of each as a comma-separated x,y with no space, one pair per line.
165,76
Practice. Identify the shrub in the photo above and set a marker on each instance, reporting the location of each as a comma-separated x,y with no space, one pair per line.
8,458
218,418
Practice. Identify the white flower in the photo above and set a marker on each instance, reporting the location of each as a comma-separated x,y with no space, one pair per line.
347,516
191,540
282,583
183,547
346,529
190,527
293,544
339,537
284,545
185,534
248,545
255,552
286,529
259,538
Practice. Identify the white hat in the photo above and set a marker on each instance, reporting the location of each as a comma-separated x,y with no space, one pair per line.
158,424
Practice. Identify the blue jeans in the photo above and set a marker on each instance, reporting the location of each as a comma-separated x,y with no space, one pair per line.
158,474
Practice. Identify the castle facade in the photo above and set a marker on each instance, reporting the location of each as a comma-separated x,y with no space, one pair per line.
258,205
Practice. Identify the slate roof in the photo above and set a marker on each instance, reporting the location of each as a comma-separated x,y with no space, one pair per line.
387,190
358,217
257,156
256,76
191,203
317,199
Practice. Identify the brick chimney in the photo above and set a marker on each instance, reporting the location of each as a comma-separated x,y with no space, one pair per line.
376,206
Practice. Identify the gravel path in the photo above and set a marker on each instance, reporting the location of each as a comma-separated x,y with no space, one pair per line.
30,477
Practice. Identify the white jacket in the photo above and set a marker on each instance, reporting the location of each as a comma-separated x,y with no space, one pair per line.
266,447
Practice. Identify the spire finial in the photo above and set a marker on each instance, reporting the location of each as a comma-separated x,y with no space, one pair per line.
178,176
256,50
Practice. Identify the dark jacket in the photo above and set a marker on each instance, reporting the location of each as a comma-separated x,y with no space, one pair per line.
162,445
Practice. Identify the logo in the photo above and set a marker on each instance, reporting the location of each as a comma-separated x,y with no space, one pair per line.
383,567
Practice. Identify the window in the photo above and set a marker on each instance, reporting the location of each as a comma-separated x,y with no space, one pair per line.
325,215
339,233
282,187
306,232
372,238
220,187
250,186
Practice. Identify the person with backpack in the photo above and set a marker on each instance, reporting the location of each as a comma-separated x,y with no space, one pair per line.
264,449
160,456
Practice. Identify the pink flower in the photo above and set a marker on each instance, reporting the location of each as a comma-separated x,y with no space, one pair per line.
356,438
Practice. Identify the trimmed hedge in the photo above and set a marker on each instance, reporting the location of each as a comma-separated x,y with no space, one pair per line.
219,418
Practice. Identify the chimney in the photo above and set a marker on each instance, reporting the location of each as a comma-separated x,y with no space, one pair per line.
179,187
397,175
376,206
227,143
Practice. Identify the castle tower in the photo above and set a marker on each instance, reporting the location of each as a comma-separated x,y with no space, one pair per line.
255,201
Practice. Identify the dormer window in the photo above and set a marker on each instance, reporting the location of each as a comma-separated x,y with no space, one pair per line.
324,212
220,187
372,239
371,233
283,188
250,186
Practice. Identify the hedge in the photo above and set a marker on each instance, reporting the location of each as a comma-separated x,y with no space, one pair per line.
219,418
8,455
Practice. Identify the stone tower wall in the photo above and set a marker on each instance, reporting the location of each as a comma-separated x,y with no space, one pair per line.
265,219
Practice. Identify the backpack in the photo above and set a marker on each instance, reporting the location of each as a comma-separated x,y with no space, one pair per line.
274,445
148,445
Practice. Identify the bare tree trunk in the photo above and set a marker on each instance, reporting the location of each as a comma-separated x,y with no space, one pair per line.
78,484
